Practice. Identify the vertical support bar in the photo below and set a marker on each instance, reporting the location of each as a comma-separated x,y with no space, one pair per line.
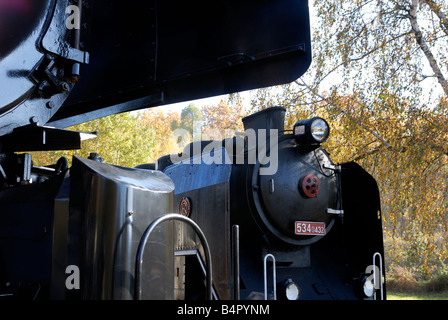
274,271
236,261
144,239
76,45
375,276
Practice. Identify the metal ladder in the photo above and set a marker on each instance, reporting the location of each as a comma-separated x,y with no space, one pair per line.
144,239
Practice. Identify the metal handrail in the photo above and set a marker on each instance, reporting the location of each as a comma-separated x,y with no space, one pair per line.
375,284
266,276
142,244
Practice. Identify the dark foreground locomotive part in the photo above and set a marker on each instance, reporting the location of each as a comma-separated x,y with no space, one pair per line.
141,54
114,205
90,217
35,61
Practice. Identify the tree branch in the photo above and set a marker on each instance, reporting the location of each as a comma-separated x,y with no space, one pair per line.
360,57
365,154
374,133
424,46
439,13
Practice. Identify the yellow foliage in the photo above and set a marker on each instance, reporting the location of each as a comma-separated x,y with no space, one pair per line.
161,124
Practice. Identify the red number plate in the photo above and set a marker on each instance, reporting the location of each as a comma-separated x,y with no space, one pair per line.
310,228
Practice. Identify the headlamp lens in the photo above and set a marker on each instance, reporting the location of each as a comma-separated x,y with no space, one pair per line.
292,291
367,288
319,130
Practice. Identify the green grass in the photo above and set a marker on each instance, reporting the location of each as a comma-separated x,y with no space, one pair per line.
417,296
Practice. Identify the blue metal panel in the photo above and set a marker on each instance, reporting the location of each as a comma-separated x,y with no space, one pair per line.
204,175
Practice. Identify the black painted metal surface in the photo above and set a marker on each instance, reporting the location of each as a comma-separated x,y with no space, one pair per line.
137,54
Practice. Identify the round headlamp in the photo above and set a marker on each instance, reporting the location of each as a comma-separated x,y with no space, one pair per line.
367,287
292,291
311,131
319,130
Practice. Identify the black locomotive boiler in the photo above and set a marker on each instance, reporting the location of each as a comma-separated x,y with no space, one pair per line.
304,228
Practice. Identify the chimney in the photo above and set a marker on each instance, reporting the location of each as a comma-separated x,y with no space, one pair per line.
271,118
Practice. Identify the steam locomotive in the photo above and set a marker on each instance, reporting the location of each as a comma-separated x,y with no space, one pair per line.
293,214
263,215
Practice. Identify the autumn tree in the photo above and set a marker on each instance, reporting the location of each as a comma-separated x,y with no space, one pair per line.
162,124
120,141
384,64
372,46
190,119
172,131
224,119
